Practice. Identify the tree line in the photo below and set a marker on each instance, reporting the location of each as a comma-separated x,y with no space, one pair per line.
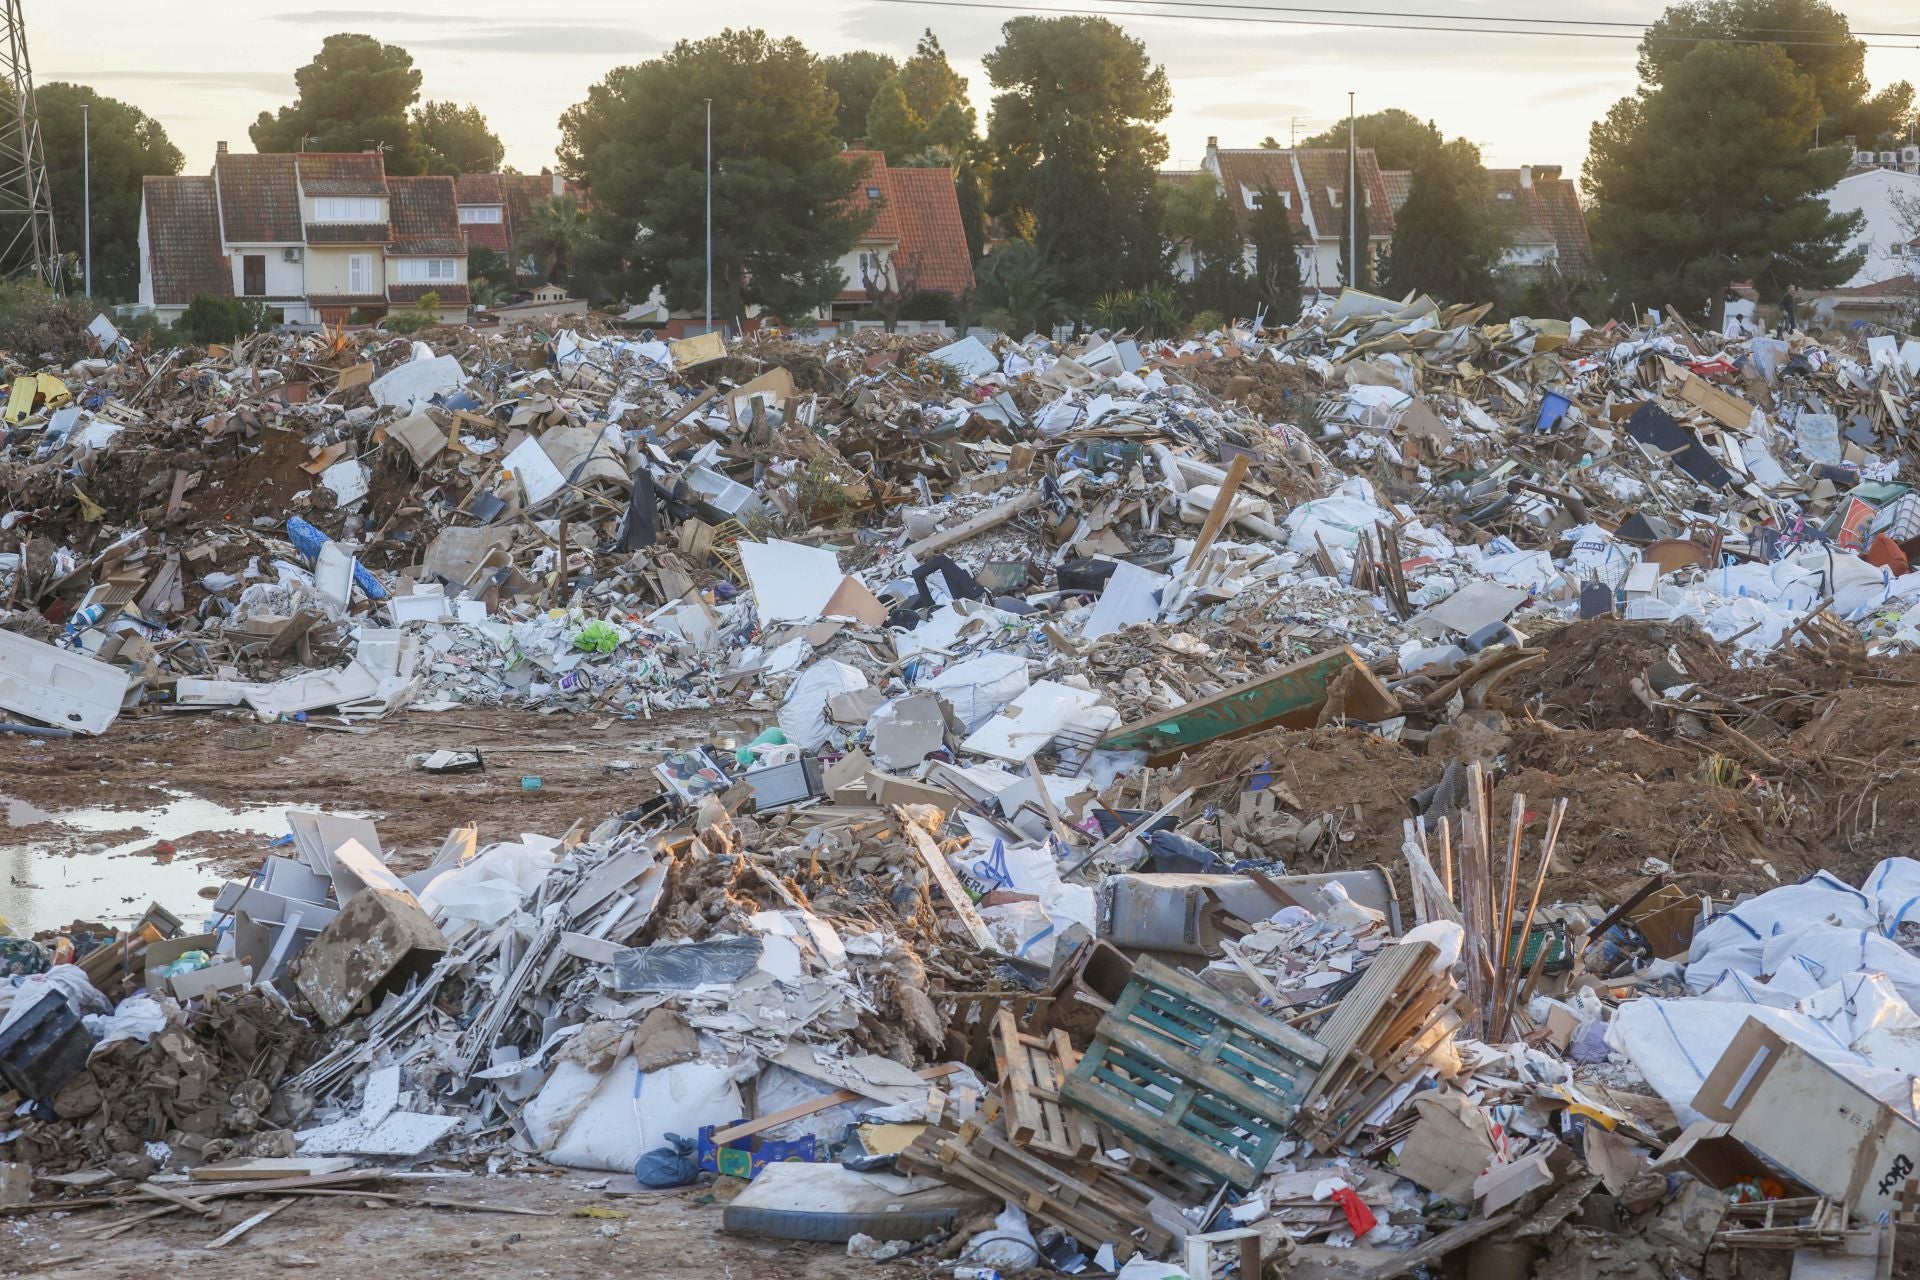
1706,175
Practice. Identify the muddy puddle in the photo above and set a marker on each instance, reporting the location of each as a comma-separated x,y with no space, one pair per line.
101,863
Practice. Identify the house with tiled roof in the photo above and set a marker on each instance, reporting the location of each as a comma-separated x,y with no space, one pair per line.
317,236
495,208
1548,226
915,241
1311,182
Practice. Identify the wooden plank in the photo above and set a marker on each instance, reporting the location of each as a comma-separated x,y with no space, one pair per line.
178,1199
949,883
747,1128
1222,504
1440,1246
991,518
250,1223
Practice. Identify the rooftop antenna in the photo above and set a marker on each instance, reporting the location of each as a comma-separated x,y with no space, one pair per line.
27,243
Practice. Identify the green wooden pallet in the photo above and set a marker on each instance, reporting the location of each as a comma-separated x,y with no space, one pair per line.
1206,1081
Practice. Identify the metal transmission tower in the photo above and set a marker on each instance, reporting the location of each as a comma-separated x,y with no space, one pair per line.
27,245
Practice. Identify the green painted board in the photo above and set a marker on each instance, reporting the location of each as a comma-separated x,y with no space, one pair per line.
1291,696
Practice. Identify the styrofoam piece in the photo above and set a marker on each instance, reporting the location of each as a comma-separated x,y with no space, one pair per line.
539,478
791,582
58,687
1030,721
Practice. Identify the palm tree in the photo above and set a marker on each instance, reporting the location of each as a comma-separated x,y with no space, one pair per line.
486,292
1015,278
554,230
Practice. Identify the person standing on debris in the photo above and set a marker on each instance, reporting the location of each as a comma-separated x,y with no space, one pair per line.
1788,322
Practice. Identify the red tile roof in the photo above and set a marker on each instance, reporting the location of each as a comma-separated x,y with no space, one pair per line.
343,173
425,218
1399,186
1549,213
479,188
869,191
348,233
930,226
918,213
1320,170
486,235
451,295
259,198
1894,287
183,240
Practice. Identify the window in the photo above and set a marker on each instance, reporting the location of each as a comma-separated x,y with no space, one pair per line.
873,193
1255,199
428,270
347,209
1504,195
1333,197
253,275
360,274
871,264
489,213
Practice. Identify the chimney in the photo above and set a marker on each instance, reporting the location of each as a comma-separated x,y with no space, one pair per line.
559,186
1211,163
1526,176
219,148
1852,143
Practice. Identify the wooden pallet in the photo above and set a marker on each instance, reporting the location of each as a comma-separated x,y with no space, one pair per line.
1096,1206
1032,1070
1396,1017
1203,1079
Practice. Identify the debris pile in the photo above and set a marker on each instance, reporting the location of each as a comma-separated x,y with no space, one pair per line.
1393,789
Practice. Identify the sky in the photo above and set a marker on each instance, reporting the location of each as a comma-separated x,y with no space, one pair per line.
208,67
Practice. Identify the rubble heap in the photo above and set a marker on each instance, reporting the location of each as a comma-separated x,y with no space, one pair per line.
1397,788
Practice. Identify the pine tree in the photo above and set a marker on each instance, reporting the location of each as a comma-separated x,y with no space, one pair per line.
1447,238
1276,258
1355,231
1709,178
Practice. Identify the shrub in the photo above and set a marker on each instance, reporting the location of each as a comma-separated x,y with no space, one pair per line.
211,318
37,324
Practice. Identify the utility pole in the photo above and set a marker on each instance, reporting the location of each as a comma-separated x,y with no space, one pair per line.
86,197
1353,214
709,215
27,243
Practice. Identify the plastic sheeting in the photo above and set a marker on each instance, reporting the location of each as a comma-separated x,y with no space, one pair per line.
489,887
979,687
803,716
1737,940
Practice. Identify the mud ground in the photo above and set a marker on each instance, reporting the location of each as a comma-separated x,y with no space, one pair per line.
347,1237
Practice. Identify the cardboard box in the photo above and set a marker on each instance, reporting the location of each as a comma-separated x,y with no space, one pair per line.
1710,1153
1449,1146
1811,1121
162,954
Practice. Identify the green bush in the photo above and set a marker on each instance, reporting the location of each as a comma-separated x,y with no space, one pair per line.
36,324
407,322
1205,322
147,327
927,304
211,318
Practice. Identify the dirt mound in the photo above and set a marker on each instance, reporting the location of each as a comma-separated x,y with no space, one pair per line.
1586,678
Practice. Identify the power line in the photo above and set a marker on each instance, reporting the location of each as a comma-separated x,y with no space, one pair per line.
1379,26
1544,22
1643,27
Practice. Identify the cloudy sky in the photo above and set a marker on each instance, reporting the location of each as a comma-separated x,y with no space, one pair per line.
207,67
